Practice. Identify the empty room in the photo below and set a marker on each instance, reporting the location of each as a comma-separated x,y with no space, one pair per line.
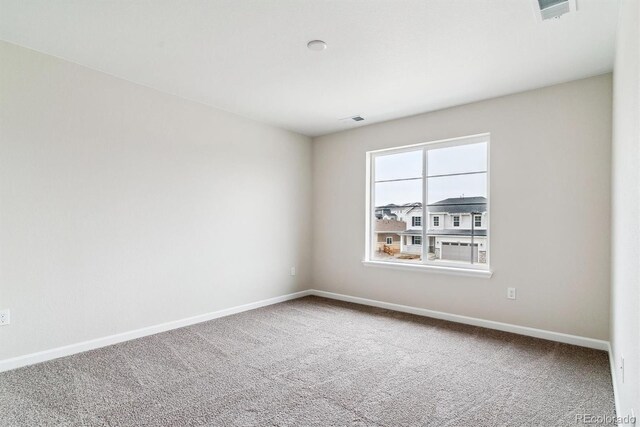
319,213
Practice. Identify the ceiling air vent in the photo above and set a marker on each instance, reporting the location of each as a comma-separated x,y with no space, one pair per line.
352,118
549,9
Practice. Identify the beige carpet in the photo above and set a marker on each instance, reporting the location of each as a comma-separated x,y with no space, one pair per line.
315,362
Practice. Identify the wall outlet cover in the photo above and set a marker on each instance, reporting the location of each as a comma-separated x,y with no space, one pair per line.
5,317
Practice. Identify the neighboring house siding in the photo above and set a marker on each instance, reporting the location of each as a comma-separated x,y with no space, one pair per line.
385,228
383,225
381,242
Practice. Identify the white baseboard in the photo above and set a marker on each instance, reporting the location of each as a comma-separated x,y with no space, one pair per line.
506,327
43,356
68,350
612,364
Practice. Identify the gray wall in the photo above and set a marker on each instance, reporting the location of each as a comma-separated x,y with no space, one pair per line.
123,207
550,210
625,278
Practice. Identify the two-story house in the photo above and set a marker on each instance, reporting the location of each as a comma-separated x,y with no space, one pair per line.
393,211
454,227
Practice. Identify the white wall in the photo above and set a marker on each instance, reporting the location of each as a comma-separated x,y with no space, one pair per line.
122,207
550,198
625,278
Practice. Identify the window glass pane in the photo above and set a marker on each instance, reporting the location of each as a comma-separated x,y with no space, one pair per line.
456,200
398,192
399,166
456,186
459,159
397,221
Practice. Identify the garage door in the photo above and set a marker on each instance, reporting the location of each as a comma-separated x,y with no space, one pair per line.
459,251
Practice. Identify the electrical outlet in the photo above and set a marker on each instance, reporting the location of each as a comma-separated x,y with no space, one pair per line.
293,271
4,317
511,293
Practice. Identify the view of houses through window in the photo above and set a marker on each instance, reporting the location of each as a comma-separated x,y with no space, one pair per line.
442,186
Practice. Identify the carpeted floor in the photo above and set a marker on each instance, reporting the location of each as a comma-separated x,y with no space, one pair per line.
315,362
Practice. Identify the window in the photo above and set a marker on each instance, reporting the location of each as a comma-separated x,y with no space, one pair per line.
445,177
389,240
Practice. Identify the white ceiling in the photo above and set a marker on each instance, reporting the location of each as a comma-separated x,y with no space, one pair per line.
385,58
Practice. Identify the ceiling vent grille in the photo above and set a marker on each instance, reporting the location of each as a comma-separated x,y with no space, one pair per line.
550,9
352,118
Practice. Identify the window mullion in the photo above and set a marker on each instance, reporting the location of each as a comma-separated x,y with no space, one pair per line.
425,218
372,208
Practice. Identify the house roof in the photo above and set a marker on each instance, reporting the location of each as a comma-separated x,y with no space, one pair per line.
476,200
385,212
450,205
393,205
460,205
418,232
478,233
413,232
386,215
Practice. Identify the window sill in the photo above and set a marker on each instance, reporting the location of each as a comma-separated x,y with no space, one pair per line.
430,268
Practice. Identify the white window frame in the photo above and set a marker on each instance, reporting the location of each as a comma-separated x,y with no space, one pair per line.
454,219
387,240
475,270
477,219
436,219
415,219
413,240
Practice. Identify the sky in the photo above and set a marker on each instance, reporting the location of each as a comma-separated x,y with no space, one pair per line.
451,160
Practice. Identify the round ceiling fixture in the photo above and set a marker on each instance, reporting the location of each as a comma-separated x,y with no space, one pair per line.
317,45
